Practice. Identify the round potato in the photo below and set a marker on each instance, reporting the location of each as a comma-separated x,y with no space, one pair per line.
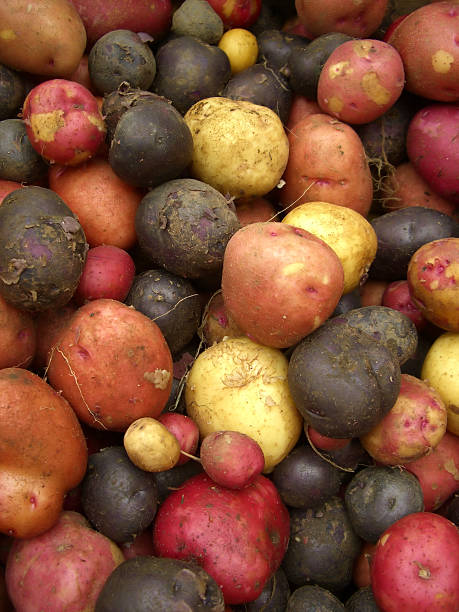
346,231
151,446
239,385
440,369
240,148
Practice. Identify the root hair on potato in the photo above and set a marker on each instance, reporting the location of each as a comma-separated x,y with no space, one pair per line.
325,457
279,212
186,297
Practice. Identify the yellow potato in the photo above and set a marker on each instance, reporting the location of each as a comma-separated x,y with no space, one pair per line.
239,385
151,446
45,37
240,148
241,47
440,369
346,231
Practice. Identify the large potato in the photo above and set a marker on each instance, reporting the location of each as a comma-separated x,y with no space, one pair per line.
346,231
45,37
240,148
239,385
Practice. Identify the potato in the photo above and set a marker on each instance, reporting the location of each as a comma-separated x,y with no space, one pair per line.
45,37
346,231
151,446
240,148
239,385
440,369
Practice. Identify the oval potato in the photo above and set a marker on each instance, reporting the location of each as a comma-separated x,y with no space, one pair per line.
239,385
45,37
346,231
240,148
151,446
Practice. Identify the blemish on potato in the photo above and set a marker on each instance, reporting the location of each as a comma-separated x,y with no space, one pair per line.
7,34
441,61
292,268
384,539
159,378
335,104
340,69
374,90
362,48
45,125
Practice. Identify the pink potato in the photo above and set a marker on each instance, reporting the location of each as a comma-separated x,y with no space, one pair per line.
397,296
63,569
231,458
239,537
415,566
438,472
427,40
108,272
184,429
432,146
279,282
433,279
63,121
360,81
359,19
327,163
414,426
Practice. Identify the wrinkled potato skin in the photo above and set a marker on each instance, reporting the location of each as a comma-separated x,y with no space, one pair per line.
45,37
240,148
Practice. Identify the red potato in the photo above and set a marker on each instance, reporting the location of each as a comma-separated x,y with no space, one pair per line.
405,187
279,282
359,19
217,323
415,566
361,574
433,147
105,204
324,442
327,163
397,296
360,81
63,121
7,187
300,108
252,210
142,544
231,458
102,16
108,272
414,426
372,291
81,75
239,537
112,364
62,569
431,60
238,13
184,429
438,472
433,279
18,336
49,325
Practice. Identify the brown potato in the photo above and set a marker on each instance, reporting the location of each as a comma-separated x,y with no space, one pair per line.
45,37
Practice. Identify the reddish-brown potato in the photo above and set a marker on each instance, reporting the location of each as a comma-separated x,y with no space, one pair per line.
217,323
372,291
251,210
112,364
184,429
300,108
327,163
7,187
49,325
18,337
279,282
43,453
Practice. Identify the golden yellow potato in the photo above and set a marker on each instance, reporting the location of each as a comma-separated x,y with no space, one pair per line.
239,385
346,231
441,370
241,47
45,37
240,148
151,446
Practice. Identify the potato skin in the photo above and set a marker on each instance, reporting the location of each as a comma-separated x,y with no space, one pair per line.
45,37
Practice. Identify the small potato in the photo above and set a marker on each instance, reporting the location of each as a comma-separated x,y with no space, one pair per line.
151,446
346,231
240,148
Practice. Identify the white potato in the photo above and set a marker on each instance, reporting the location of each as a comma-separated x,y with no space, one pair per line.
240,148
346,231
151,446
239,385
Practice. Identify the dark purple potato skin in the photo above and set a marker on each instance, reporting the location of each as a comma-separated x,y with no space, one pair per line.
19,161
347,302
144,584
151,144
322,548
42,249
362,601
343,381
12,92
391,327
260,85
275,47
184,226
378,496
189,70
308,598
171,302
305,480
273,597
402,232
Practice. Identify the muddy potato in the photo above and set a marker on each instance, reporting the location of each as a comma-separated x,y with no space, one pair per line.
240,148
346,231
239,385
150,445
